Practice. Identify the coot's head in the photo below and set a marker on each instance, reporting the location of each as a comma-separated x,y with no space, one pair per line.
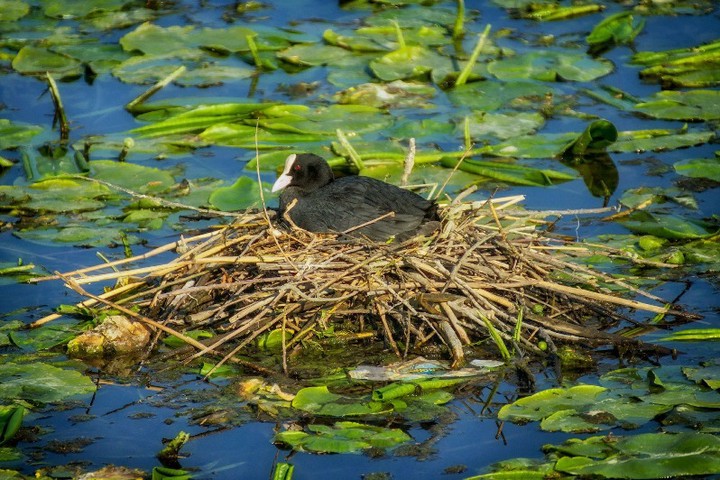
306,171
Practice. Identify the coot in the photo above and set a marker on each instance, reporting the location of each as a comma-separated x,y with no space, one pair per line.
326,204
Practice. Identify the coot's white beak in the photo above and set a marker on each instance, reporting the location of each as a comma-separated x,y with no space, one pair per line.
284,179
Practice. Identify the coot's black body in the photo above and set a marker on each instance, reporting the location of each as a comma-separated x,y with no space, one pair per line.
326,204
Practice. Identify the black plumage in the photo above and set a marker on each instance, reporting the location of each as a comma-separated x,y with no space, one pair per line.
315,201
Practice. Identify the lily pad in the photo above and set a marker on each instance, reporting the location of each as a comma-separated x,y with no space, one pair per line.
138,178
14,134
699,168
13,10
691,106
645,456
32,60
342,437
42,382
550,66
617,29
242,194
665,226
502,125
488,96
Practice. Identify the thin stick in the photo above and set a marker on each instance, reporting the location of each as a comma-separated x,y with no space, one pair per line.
155,88
408,163
462,78
354,156
59,109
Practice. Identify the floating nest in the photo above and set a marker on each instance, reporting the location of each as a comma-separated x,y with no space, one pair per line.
489,277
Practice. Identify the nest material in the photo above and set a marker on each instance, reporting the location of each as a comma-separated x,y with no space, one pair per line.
488,273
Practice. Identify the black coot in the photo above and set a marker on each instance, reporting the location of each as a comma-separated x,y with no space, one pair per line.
326,204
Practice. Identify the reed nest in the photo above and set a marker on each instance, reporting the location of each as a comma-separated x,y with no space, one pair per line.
489,275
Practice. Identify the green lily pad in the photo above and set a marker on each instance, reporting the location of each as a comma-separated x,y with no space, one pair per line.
650,455
320,401
501,125
658,140
596,138
146,69
90,236
42,382
313,55
382,95
699,168
13,134
412,61
665,226
547,402
490,96
13,10
617,29
32,60
242,194
550,66
342,437
691,106
138,178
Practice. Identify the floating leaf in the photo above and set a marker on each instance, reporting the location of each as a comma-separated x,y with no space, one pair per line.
684,67
645,456
320,401
38,61
691,106
510,173
550,66
41,382
699,168
342,437
546,402
488,96
665,226
383,95
412,61
313,55
242,194
617,29
14,134
658,140
138,178
11,417
13,10
501,125
596,137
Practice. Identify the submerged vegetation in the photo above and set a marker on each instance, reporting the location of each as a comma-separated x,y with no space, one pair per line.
328,337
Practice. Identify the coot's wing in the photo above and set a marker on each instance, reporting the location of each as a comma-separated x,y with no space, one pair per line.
358,200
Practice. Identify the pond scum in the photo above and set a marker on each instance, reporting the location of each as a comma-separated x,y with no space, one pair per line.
490,275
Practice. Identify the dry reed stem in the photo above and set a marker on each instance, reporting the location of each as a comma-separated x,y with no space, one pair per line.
484,266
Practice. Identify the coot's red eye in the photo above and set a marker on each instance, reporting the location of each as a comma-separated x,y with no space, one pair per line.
297,168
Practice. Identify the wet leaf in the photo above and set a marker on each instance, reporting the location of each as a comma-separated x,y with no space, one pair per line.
37,60
617,29
597,137
503,126
42,382
83,236
342,437
550,66
510,172
665,226
658,140
11,417
684,67
646,456
394,94
546,402
313,55
691,106
320,401
14,134
244,193
13,10
412,61
488,96
699,168
693,335
138,178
